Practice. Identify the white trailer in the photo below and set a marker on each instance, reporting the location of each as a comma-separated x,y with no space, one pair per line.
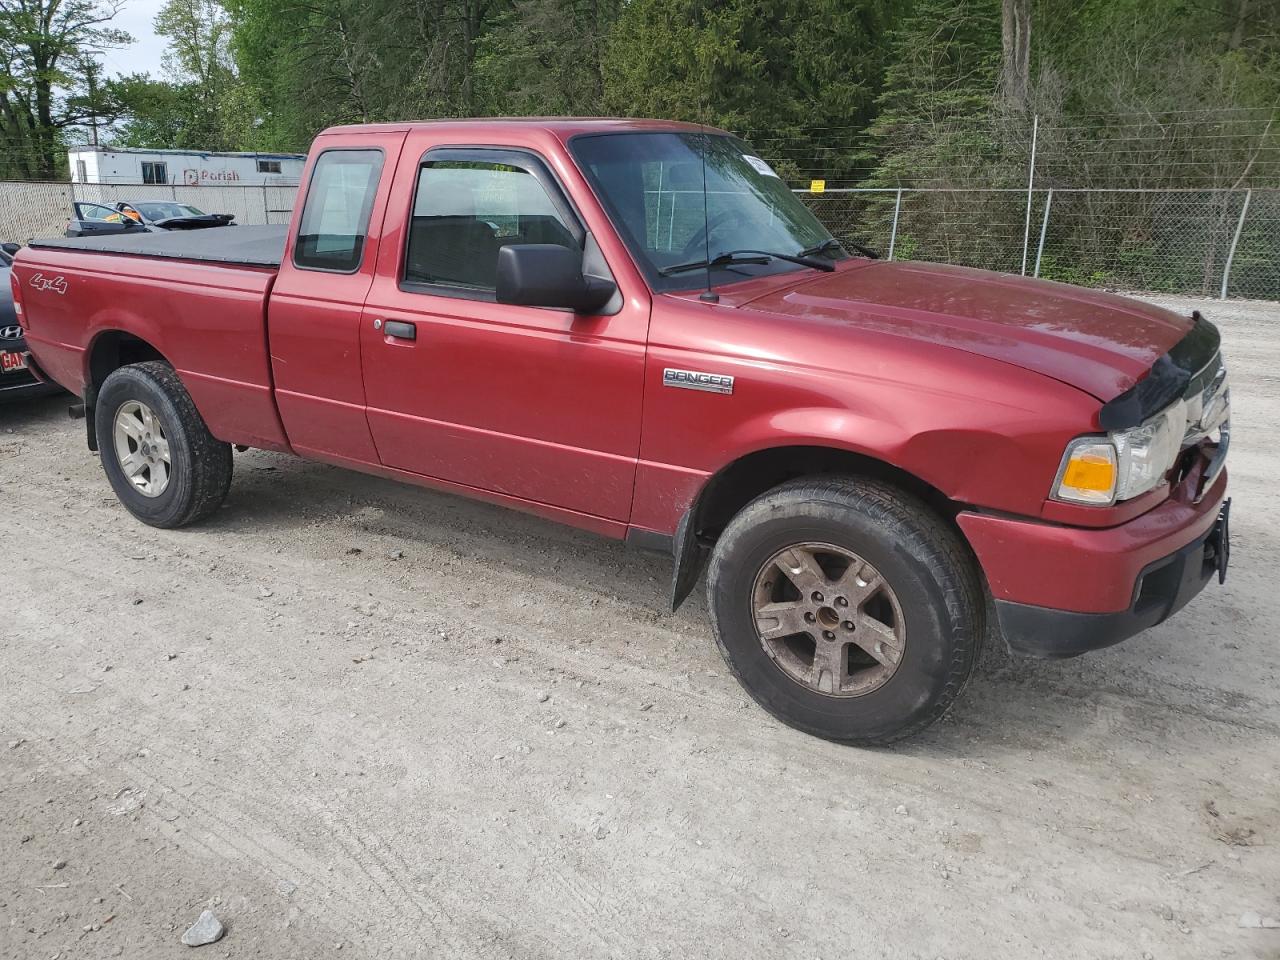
184,168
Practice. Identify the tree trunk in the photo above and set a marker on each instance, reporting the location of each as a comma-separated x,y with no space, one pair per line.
470,27
47,156
1015,65
1237,31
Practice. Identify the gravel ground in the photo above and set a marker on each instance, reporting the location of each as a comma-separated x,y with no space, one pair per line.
357,719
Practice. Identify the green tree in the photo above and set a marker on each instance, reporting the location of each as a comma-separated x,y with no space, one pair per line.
199,59
800,74
157,114
934,123
309,65
45,83
545,57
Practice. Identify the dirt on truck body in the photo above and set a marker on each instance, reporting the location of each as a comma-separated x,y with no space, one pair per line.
865,456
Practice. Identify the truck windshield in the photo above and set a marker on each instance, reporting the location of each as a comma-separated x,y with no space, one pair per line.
651,184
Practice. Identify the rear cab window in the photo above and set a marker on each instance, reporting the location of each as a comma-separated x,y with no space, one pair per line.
335,216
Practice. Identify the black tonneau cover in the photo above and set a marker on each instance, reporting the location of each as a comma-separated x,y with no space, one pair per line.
243,246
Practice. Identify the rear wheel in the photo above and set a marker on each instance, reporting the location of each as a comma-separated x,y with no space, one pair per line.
847,608
158,454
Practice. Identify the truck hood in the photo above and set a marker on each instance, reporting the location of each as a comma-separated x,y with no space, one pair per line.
1097,342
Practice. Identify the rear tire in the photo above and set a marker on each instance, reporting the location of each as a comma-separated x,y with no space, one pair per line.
847,608
158,454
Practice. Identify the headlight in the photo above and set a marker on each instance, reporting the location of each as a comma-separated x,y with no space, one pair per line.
1124,464
1148,451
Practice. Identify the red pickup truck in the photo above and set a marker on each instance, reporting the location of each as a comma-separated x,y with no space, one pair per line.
635,328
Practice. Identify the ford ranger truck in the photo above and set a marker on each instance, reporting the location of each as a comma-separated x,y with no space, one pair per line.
635,328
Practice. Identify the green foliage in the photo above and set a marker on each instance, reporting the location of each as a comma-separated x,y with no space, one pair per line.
932,127
49,79
793,72
158,113
545,57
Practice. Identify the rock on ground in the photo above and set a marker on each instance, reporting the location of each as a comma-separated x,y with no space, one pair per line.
208,929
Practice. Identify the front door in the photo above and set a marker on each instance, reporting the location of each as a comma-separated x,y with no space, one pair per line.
538,404
96,220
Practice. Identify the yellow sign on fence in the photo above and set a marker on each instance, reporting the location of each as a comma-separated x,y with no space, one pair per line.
817,186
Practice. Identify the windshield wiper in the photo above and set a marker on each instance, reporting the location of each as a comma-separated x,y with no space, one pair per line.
746,256
831,243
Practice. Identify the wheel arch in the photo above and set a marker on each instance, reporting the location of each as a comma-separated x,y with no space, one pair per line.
748,476
109,351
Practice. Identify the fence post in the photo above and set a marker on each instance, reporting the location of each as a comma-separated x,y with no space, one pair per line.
1231,254
1044,226
1031,182
893,233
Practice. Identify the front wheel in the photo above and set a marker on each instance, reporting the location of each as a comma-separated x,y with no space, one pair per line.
158,454
847,608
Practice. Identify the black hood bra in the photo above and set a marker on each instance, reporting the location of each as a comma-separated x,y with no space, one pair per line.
1190,366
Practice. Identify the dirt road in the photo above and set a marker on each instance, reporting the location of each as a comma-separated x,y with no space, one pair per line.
362,720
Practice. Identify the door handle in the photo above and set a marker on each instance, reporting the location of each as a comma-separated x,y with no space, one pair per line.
400,329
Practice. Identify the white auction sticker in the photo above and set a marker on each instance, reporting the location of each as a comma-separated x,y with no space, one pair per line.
759,166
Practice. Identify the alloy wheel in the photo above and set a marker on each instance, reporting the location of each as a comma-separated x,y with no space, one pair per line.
142,448
828,619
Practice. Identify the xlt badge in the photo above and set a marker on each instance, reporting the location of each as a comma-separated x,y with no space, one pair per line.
696,380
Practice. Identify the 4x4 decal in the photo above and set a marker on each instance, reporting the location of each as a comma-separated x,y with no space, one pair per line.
57,285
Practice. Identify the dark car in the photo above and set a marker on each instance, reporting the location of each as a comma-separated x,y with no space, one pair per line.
151,216
15,379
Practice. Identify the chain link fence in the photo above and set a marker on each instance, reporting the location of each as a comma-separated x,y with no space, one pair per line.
30,209
1202,242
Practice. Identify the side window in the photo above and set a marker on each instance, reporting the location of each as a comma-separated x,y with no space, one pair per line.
464,211
154,172
97,212
335,220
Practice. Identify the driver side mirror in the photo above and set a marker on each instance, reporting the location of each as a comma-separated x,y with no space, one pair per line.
549,275
11,248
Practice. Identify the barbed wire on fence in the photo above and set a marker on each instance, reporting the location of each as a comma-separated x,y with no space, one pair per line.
1194,149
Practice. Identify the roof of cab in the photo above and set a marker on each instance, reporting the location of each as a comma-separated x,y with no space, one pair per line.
562,127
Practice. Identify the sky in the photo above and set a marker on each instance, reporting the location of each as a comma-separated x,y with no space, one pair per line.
135,18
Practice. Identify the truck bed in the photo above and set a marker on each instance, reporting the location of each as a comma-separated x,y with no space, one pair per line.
256,246
198,299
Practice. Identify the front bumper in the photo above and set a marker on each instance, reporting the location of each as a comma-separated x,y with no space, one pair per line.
1061,591
1162,589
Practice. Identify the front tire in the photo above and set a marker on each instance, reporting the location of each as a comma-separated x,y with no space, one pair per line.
158,454
847,608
